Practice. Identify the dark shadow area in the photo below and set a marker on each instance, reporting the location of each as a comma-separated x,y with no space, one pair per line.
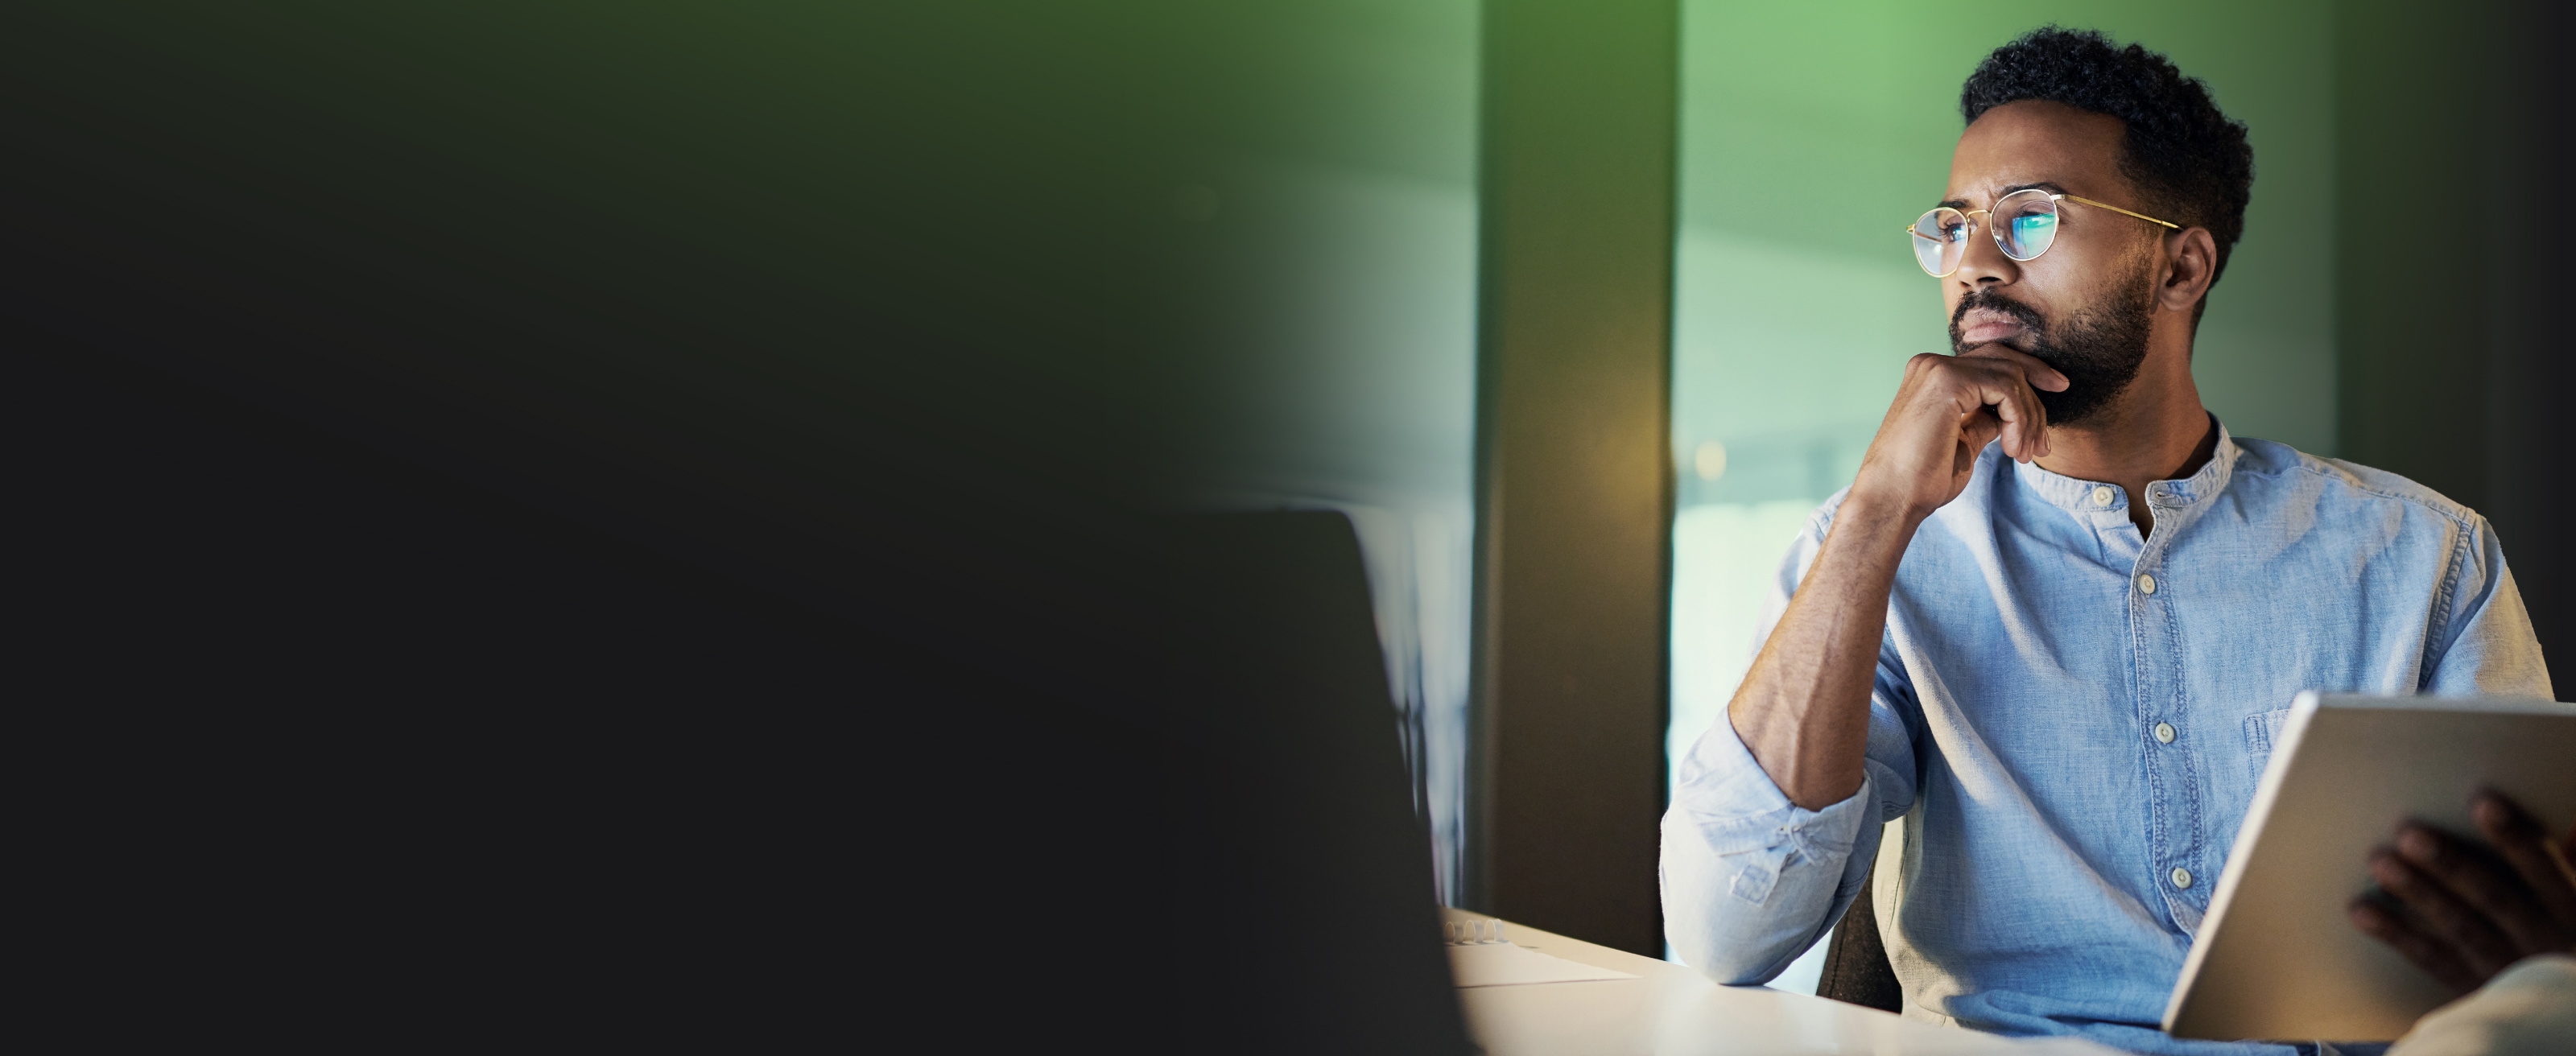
569,523
547,522
342,740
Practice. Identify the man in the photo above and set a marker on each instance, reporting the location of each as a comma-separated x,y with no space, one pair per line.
2060,611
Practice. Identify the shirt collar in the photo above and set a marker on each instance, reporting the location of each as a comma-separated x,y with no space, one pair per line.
2076,495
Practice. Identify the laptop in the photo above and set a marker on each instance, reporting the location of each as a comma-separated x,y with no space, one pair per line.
1310,921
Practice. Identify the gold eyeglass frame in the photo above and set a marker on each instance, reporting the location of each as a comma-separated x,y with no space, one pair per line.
1914,229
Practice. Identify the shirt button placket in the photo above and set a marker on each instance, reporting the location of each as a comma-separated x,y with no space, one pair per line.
2165,840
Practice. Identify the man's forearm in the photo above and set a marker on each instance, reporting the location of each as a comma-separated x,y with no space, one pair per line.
1803,709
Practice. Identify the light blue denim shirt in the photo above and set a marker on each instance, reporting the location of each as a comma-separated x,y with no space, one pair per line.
2071,718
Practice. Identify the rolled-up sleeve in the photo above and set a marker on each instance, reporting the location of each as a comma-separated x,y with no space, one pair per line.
1751,880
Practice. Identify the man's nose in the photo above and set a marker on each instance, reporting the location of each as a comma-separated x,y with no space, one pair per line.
1984,262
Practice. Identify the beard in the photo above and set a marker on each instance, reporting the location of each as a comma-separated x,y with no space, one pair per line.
2098,348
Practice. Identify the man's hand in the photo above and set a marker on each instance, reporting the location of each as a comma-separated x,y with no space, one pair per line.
2463,912
1946,411
1803,707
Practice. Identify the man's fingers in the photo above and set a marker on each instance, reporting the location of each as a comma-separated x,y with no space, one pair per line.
1977,428
2026,428
2535,857
2438,959
2486,887
2007,392
2034,369
2439,913
2039,416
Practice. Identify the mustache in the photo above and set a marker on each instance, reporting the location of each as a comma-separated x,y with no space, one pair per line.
1995,302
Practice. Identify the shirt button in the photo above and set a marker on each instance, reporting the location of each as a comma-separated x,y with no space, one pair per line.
2146,584
2181,877
2101,495
2165,734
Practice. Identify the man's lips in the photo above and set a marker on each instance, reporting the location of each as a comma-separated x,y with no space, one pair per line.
1980,326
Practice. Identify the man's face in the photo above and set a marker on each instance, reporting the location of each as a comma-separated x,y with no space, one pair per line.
2087,305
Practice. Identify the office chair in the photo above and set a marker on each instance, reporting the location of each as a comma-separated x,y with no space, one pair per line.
1856,966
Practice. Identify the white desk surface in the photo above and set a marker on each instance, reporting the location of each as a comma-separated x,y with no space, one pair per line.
1670,1010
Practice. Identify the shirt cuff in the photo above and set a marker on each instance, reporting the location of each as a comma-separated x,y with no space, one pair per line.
1744,819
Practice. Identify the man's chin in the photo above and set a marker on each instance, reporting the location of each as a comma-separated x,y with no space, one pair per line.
2082,414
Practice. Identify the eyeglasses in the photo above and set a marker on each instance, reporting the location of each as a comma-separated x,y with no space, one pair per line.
2024,224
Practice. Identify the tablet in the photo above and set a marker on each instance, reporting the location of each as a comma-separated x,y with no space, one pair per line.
2278,958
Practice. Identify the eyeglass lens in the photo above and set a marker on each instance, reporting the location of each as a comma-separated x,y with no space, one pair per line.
1940,239
2024,225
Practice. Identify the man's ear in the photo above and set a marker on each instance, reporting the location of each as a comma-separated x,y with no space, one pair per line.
2191,264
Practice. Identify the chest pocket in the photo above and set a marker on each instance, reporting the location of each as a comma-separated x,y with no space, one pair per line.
2260,733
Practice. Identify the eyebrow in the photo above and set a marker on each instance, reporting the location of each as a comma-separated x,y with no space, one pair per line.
2051,186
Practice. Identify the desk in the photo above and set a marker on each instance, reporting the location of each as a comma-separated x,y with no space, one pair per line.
1670,1010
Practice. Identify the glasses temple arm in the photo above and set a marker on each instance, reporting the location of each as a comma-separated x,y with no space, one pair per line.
2124,212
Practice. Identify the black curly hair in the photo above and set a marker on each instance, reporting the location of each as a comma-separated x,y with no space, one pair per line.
2182,152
